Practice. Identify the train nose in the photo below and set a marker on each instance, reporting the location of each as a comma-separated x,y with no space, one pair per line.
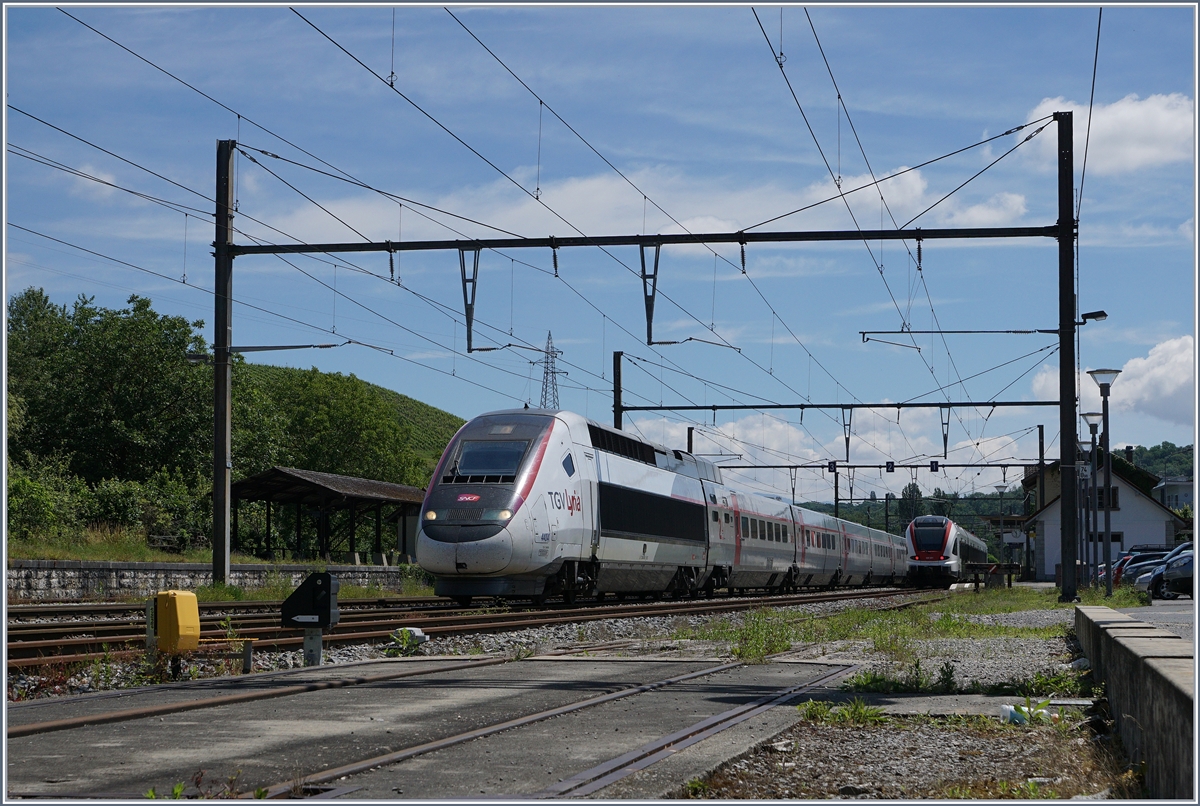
484,556
487,556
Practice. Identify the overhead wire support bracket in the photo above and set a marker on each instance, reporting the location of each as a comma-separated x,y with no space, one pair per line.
847,417
945,412
469,286
649,288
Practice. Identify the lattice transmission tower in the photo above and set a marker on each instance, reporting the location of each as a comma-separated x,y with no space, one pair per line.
549,375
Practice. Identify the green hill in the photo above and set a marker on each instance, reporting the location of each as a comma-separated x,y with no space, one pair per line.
431,428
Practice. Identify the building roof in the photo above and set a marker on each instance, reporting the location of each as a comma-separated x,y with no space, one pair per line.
1132,486
291,485
1131,474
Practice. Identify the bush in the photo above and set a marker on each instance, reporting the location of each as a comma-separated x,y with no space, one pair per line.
43,499
115,502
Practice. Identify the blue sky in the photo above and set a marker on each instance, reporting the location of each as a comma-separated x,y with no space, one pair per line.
690,106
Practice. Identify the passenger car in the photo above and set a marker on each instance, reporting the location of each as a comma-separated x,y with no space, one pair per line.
1178,575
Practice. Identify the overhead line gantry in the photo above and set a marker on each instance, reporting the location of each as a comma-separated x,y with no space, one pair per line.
1064,231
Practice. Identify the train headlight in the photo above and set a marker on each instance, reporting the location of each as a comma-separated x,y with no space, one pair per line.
497,514
430,515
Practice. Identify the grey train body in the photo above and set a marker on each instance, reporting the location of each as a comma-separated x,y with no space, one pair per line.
533,503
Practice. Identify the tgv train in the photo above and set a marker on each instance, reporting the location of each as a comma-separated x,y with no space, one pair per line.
531,503
938,549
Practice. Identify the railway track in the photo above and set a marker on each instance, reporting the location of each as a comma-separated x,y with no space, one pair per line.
65,641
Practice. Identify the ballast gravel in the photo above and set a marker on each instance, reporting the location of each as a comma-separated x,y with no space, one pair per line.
908,758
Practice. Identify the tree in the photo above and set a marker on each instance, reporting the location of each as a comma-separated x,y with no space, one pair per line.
910,504
109,390
340,424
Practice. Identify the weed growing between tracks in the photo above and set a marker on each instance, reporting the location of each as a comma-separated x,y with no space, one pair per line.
892,633
853,751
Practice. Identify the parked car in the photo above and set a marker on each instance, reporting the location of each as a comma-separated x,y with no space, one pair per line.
1120,563
1138,565
1157,584
1178,575
1152,582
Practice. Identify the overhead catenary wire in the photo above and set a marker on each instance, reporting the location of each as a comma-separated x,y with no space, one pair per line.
257,308
240,116
523,264
883,203
646,199
500,171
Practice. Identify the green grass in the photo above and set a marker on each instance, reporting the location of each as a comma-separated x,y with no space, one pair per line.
890,632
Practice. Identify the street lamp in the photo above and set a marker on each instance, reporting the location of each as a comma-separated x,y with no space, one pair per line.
1000,488
1105,378
1093,420
1082,510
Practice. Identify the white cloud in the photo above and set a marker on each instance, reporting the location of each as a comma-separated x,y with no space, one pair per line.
1127,135
90,189
1000,210
1161,385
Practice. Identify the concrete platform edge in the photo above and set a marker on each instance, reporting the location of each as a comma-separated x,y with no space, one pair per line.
1149,678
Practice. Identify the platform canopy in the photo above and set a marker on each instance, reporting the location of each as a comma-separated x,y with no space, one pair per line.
291,485
319,496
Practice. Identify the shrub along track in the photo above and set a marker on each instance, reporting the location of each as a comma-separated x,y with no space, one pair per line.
33,644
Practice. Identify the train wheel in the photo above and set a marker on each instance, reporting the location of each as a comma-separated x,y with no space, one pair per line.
537,601
463,601
620,597
600,596
568,597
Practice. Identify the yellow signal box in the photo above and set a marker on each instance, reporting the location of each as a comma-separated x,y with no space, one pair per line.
178,622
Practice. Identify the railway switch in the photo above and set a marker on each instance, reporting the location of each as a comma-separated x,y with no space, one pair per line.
177,622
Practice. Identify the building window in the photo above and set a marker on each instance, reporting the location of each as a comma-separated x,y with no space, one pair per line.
1118,539
1115,494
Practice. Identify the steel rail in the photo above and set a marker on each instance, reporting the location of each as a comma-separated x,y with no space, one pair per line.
333,773
232,699
613,770
367,631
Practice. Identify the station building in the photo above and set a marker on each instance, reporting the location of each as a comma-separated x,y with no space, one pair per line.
1137,516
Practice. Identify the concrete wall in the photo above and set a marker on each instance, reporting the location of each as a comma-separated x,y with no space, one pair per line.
74,579
1149,677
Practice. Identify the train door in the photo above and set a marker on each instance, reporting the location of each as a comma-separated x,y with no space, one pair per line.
804,572
539,531
591,516
844,537
722,537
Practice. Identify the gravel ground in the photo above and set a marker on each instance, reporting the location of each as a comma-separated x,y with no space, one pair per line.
907,758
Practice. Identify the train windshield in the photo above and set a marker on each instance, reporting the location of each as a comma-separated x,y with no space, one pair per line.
489,458
929,538
493,449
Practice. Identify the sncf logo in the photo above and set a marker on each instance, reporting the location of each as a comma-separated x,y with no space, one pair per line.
468,497
569,501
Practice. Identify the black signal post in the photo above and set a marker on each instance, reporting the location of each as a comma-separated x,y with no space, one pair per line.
1067,428
222,370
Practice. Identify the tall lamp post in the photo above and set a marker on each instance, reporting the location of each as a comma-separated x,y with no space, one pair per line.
1105,378
1083,512
1000,488
1093,420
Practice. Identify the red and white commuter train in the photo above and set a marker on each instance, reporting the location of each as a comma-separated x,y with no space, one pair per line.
938,549
531,503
